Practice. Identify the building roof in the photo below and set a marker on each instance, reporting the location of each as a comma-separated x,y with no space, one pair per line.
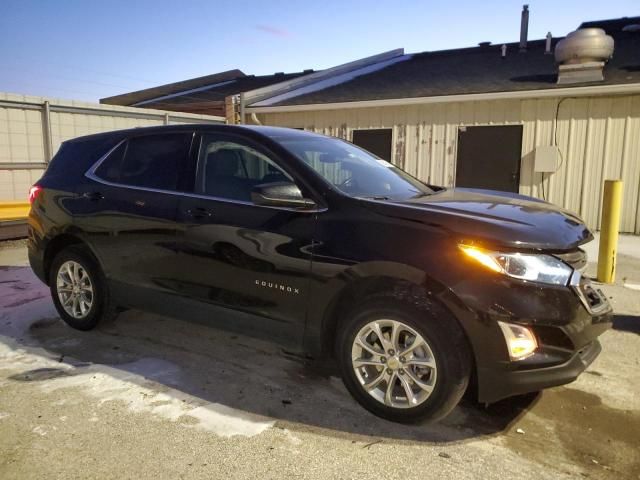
479,69
220,91
199,92
127,99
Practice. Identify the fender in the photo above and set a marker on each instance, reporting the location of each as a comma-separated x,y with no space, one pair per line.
329,296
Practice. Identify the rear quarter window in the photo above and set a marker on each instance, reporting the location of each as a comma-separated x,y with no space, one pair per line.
77,156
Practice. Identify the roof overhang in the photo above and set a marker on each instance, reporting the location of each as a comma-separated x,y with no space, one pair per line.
140,96
597,90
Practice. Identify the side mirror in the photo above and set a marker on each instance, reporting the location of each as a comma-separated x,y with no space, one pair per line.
280,194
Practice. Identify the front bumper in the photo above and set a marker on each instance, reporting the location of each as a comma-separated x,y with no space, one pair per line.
566,320
505,383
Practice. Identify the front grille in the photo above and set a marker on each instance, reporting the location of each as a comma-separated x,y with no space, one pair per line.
577,259
594,300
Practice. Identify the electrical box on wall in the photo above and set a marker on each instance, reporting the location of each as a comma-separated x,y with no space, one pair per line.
545,159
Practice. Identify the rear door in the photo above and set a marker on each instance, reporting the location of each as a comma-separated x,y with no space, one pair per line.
130,211
239,255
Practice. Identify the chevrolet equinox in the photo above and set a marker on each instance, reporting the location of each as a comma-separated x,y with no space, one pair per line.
417,292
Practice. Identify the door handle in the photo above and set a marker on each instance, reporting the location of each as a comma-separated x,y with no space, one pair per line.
93,196
199,213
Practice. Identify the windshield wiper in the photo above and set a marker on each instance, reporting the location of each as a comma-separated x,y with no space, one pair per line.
376,197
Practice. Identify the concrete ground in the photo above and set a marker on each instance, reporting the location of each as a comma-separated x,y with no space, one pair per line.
153,397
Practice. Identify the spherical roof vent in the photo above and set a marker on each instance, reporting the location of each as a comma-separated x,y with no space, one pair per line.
583,46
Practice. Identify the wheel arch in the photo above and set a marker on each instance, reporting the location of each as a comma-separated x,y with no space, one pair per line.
407,283
59,243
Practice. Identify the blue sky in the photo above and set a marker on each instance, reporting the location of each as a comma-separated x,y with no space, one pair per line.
91,49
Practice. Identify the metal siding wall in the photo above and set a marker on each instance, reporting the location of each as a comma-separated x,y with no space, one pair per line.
599,138
21,141
22,134
631,168
70,125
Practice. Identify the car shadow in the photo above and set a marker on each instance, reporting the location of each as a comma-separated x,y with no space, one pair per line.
236,371
627,323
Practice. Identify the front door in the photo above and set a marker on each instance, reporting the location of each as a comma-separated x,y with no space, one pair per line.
236,254
489,157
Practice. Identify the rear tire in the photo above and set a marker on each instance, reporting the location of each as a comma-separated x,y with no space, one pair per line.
421,381
79,289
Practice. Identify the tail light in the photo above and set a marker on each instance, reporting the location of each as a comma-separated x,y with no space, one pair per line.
34,192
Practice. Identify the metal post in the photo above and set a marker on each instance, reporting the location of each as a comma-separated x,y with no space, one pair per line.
524,28
242,108
46,131
609,227
166,119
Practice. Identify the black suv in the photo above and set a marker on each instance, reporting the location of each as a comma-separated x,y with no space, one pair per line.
418,292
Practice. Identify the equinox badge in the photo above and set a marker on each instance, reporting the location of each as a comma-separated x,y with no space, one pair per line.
277,286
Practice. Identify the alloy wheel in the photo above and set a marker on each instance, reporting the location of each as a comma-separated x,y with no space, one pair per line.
75,289
394,363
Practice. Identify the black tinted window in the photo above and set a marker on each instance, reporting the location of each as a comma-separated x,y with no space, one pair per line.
231,170
151,161
76,156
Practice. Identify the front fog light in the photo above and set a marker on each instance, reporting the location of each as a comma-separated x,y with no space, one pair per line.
520,340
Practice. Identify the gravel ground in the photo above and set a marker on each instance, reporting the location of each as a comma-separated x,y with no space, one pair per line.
153,397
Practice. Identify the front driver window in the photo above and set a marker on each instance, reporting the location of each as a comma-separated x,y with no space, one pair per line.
231,170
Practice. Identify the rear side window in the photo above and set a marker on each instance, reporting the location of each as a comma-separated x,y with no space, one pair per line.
152,161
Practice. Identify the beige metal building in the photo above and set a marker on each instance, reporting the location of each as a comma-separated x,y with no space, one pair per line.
568,127
32,129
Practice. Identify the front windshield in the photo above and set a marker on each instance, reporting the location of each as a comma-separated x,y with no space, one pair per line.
354,171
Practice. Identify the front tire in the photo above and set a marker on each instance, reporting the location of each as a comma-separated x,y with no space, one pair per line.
79,289
403,363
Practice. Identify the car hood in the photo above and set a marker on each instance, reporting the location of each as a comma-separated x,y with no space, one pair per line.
493,218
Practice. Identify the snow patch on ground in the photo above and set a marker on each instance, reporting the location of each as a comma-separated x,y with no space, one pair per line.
128,383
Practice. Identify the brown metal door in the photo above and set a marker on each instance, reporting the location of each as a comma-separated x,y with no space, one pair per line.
489,157
376,141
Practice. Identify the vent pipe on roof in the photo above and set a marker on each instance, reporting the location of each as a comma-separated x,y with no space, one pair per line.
503,50
547,45
581,55
524,28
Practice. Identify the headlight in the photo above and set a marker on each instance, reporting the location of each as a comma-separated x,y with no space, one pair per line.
524,266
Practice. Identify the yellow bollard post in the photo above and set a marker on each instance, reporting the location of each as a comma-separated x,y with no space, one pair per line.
609,227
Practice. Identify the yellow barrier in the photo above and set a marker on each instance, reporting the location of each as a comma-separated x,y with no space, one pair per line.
14,211
609,227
